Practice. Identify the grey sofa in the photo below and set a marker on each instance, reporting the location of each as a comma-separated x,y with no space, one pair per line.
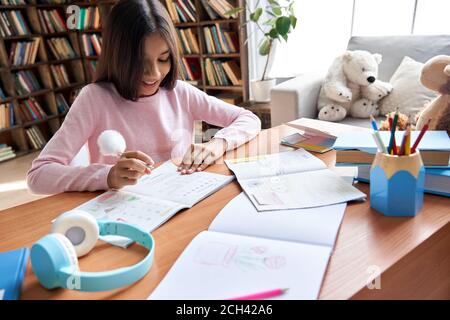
297,97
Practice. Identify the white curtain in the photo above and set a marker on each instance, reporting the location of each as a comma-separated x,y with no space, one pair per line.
325,26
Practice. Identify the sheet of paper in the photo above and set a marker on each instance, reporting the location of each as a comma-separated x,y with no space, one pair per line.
222,266
314,225
274,164
168,184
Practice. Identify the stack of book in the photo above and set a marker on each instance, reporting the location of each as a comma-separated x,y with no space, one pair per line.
26,82
6,115
182,10
12,23
359,150
6,152
23,53
188,41
12,2
191,70
220,41
61,48
61,103
31,110
220,7
92,67
92,44
51,21
89,18
60,75
222,73
231,98
35,137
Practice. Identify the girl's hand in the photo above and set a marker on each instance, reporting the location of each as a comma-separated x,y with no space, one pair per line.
130,167
201,155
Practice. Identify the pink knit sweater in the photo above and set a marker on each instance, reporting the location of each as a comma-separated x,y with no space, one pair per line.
160,125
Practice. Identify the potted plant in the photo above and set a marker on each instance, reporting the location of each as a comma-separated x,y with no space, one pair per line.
275,20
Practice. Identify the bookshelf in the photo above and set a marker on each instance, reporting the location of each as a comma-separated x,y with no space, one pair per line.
29,48
60,77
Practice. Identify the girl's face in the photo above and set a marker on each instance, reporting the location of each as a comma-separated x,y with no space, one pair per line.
156,64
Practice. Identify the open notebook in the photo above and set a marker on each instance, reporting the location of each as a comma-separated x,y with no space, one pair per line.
245,251
156,198
291,180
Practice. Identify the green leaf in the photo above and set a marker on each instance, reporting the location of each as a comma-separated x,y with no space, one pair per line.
283,25
255,15
293,21
234,11
277,11
264,49
274,3
273,33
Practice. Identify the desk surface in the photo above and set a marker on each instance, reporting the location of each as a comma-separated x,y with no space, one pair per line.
411,254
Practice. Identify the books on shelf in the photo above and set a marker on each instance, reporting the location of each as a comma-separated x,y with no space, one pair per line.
61,48
361,149
182,10
73,95
222,73
89,18
220,7
7,118
23,52
6,152
26,82
91,44
51,21
35,137
191,70
2,93
61,103
31,110
231,98
218,40
12,2
188,41
60,75
12,23
92,67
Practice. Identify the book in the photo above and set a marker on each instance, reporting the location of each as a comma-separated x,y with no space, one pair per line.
13,265
290,180
437,180
310,140
361,148
244,251
156,197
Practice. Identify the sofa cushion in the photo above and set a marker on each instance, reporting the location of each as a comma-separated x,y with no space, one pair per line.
395,48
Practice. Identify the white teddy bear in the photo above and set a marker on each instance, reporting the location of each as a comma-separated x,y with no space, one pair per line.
351,87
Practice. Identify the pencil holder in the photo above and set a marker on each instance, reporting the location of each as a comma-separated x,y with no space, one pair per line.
396,184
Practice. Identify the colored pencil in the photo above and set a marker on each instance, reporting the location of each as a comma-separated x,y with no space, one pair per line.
404,140
422,132
261,295
374,123
379,142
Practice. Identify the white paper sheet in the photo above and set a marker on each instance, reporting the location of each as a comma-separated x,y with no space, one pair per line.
223,266
318,226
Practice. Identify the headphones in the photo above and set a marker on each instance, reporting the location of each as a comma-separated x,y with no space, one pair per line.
54,258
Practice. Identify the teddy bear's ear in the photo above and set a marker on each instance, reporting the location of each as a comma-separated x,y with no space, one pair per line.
347,55
447,70
378,57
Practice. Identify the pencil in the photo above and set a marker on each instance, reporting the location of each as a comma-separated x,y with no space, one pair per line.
408,144
374,123
404,140
262,295
379,141
422,132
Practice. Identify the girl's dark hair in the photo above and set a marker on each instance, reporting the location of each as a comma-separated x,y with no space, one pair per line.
122,58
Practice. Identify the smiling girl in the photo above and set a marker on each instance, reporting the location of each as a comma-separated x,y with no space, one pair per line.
136,92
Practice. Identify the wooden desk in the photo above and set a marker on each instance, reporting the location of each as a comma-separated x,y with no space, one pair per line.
412,254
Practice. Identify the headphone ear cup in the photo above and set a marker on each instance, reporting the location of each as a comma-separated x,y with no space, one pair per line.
80,228
49,255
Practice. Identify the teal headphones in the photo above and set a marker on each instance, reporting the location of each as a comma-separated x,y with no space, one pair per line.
54,258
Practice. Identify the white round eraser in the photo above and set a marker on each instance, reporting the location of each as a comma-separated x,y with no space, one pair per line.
111,143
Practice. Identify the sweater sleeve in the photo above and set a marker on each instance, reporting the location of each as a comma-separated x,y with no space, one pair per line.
239,125
51,172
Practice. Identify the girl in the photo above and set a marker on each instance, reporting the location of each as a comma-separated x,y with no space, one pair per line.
136,92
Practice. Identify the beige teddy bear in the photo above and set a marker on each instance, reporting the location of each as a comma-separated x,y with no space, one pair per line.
436,76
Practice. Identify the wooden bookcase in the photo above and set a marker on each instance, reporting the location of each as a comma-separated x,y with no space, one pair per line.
79,70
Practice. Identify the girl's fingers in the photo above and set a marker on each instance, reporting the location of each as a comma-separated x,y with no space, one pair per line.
130,174
126,182
133,164
209,160
199,159
140,156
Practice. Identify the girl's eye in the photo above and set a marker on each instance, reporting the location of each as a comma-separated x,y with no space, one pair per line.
164,60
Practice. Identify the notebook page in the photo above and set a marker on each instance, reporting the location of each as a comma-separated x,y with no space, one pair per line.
222,266
274,164
314,225
166,183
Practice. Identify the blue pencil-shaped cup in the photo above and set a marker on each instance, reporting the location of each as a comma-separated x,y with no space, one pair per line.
396,184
